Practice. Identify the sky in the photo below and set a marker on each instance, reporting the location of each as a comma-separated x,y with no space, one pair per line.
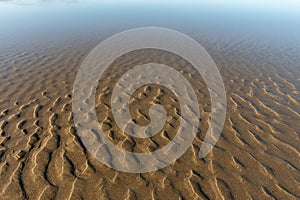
277,4
289,7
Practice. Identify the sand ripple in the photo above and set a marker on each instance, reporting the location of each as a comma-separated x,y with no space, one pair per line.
257,156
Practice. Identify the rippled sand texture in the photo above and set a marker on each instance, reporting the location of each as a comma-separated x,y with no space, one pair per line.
257,156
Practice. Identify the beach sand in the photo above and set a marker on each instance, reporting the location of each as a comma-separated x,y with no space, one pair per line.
256,157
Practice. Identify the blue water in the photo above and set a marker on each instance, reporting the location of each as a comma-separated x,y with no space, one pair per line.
53,21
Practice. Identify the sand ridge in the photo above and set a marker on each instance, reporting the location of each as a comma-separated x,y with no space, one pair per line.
257,156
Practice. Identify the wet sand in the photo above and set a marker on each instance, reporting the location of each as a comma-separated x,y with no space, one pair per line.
256,157
42,156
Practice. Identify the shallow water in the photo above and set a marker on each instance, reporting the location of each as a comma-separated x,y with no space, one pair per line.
81,21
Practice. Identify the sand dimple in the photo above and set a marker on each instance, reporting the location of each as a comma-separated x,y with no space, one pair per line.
257,156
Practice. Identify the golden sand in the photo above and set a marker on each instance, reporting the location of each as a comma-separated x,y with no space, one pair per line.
256,157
